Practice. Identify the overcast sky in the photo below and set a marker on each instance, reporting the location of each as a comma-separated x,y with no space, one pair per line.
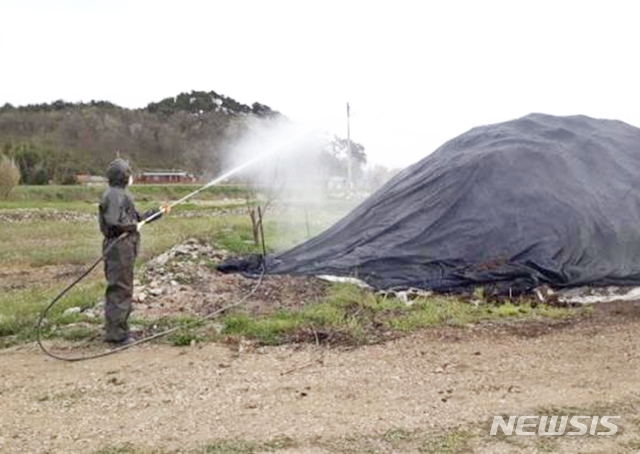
416,73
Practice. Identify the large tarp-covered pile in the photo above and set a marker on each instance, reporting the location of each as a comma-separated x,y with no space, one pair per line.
540,199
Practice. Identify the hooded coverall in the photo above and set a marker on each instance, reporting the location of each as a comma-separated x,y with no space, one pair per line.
117,215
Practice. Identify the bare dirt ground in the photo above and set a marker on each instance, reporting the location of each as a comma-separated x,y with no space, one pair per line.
391,397
433,391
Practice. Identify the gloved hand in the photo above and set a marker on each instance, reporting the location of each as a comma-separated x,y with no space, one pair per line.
165,208
139,226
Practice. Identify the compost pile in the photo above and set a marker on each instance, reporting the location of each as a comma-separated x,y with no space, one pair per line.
510,206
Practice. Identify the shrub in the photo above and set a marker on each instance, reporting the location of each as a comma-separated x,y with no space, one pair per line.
9,176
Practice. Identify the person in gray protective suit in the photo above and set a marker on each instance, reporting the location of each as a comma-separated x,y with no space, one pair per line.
118,215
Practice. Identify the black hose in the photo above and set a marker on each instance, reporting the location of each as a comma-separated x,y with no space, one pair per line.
58,297
43,314
38,327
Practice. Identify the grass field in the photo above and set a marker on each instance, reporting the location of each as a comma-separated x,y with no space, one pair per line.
56,193
41,253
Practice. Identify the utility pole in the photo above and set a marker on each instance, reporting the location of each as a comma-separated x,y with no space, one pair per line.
349,169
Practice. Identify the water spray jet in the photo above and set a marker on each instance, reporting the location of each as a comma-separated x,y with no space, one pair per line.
215,181
227,175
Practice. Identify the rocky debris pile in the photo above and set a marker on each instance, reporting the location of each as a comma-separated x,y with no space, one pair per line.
177,263
184,281
44,214
225,211
174,279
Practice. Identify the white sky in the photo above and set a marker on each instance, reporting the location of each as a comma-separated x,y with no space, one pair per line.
416,73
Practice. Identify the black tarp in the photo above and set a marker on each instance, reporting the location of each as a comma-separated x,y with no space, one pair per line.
540,199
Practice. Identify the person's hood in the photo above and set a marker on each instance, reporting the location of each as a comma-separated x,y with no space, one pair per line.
118,173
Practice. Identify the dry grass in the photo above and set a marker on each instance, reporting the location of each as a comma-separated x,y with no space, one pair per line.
9,176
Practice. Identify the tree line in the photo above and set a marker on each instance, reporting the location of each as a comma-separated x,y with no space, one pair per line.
55,142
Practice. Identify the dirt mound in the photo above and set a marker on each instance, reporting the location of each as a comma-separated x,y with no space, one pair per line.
537,200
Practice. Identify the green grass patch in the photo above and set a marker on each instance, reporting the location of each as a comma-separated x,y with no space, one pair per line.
187,329
77,333
347,314
77,206
355,316
220,446
268,330
20,310
60,239
230,447
142,192
453,442
451,311
40,243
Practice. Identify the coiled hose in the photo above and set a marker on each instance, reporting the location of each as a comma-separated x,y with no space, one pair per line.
54,301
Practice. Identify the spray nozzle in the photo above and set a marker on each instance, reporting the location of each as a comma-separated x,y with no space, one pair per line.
166,208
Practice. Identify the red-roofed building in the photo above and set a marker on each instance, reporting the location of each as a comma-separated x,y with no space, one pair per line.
164,177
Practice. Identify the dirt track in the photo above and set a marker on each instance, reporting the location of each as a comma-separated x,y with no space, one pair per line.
432,382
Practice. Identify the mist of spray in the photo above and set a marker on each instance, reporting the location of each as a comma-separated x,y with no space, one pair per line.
247,164
292,182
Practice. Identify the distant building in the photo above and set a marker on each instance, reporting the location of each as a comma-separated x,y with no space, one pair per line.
164,177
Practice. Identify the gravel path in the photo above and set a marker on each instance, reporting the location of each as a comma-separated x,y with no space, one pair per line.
182,398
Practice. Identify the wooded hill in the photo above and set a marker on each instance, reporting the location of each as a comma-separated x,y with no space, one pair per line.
54,142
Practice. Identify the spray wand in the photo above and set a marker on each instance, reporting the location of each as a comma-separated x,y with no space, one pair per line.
164,209
220,179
